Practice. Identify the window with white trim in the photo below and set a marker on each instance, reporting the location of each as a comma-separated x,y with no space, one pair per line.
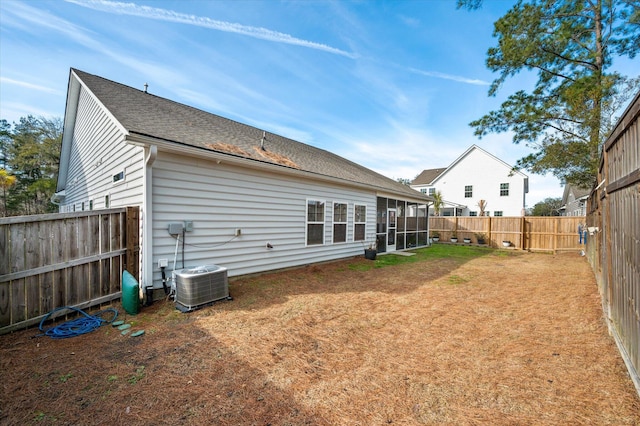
315,222
339,222
118,177
359,222
432,191
468,191
497,213
474,213
504,189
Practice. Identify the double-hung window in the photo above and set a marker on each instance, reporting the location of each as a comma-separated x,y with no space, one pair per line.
359,222
339,222
468,191
315,222
504,189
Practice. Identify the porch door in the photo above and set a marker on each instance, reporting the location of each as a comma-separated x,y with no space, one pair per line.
391,229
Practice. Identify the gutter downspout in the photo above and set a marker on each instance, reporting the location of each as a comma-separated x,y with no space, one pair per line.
151,153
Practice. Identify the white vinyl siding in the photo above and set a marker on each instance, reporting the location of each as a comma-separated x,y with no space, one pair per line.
266,207
100,153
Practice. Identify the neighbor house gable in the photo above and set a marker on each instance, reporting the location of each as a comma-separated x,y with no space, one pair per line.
487,159
477,175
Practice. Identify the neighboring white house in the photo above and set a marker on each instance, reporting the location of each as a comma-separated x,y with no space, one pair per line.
215,191
476,175
574,201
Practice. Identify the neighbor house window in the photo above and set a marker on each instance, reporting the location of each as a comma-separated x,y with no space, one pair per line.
504,189
359,222
497,213
339,222
90,204
473,213
83,206
423,190
468,191
432,191
315,222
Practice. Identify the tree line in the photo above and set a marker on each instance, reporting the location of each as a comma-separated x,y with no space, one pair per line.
29,161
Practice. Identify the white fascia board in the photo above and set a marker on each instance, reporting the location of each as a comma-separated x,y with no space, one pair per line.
71,109
404,197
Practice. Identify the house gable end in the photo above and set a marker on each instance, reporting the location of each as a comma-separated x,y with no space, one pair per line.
74,89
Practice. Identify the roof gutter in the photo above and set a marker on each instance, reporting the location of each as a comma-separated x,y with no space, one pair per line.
219,157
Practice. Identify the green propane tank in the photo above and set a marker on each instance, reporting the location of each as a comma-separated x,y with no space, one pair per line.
130,293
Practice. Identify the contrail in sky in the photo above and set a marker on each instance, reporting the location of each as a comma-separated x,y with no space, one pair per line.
201,21
450,77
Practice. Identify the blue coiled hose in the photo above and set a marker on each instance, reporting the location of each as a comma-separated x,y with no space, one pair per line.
81,325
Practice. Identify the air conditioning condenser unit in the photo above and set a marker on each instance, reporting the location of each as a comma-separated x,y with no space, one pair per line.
200,286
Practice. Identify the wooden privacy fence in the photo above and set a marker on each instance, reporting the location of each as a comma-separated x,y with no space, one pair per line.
613,213
67,259
534,233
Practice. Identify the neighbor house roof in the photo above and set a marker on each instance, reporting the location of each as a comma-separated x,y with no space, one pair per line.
577,192
427,176
145,114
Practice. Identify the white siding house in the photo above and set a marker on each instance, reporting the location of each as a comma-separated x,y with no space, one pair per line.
241,197
476,175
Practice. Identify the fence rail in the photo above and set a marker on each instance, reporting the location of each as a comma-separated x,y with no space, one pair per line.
68,259
552,234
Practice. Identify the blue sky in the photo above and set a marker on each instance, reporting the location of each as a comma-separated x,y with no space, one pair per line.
391,85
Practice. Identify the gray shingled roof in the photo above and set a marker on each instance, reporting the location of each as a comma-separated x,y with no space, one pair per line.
427,176
147,114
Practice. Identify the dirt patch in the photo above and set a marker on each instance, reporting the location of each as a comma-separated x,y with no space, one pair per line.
505,338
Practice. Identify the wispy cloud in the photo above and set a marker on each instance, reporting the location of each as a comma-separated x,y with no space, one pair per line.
202,21
37,18
27,85
16,109
450,77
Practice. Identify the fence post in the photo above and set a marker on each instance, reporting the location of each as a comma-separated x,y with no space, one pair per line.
133,241
523,227
555,235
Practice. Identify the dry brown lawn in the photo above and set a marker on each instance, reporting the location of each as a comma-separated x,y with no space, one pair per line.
506,338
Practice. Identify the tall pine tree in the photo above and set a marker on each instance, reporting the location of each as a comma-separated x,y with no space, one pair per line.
568,114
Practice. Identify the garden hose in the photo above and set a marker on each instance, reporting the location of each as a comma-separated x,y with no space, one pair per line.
76,327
